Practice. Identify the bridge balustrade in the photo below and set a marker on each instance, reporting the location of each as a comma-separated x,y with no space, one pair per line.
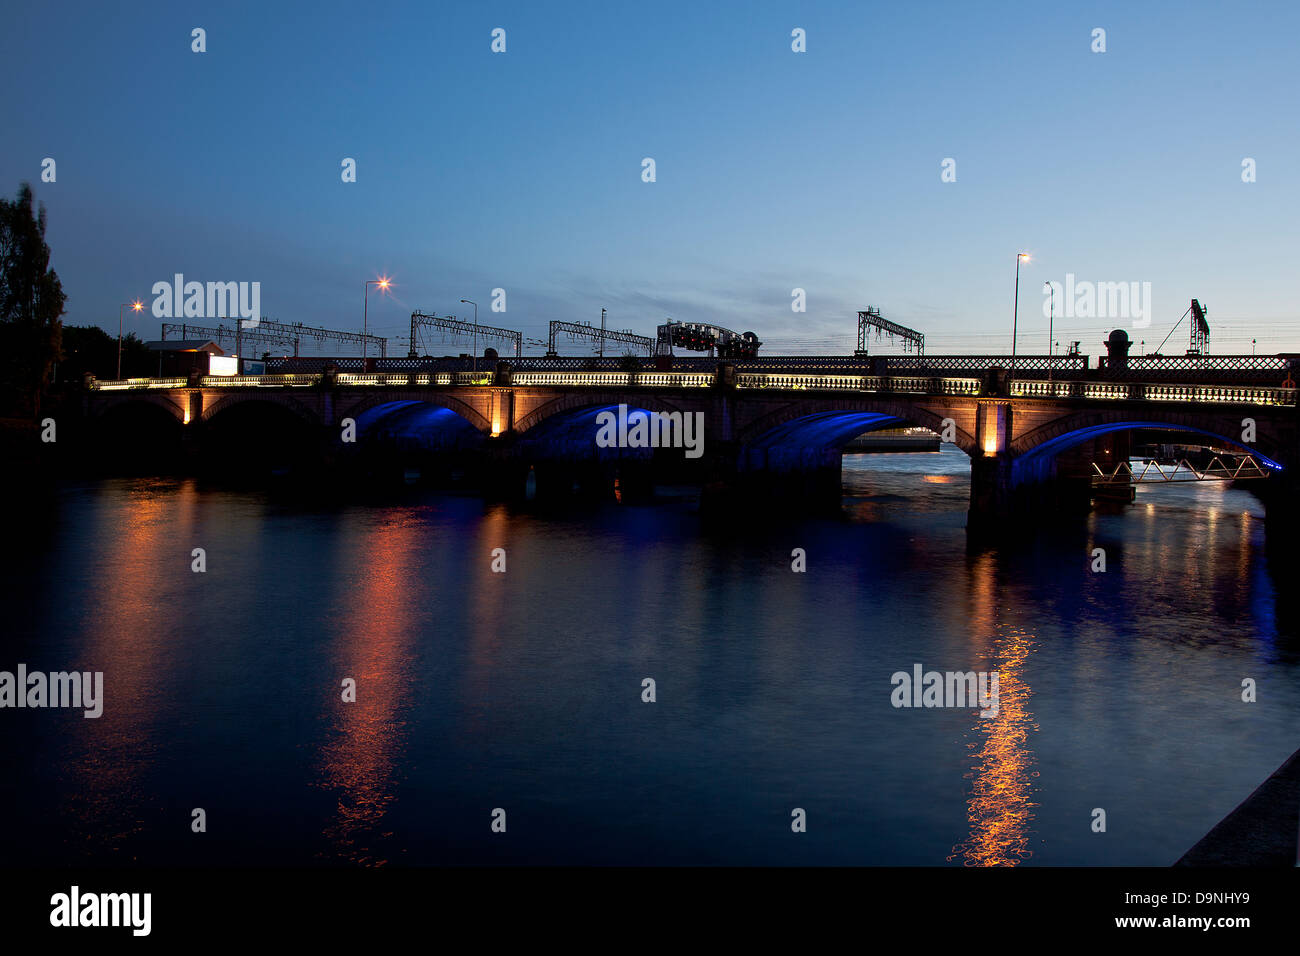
112,386
684,379
262,381
625,379
1090,389
1237,395
790,381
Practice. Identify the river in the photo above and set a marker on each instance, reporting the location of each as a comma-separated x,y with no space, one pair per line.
522,690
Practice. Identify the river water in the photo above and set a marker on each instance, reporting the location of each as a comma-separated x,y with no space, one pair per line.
478,690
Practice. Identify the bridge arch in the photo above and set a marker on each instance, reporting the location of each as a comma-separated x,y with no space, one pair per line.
832,423
570,402
1035,451
415,423
373,407
224,403
170,400
136,433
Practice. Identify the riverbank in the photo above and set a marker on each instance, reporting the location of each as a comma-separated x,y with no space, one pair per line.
1263,831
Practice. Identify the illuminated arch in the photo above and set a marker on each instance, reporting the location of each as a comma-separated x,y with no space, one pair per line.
425,423
573,433
1036,451
832,424
363,408
576,401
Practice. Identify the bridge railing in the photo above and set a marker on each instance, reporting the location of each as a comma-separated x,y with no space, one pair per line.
112,386
1157,392
1231,394
261,381
799,381
1092,390
1022,388
1028,366
1199,364
859,383
401,379
651,379
207,381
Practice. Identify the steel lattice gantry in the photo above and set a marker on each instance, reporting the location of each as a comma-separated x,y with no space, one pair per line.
581,330
449,323
271,333
871,319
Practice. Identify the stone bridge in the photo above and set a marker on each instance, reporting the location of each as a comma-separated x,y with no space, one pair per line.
1029,440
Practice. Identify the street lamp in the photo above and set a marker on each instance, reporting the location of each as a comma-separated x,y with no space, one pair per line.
1051,313
135,307
475,304
383,283
1015,315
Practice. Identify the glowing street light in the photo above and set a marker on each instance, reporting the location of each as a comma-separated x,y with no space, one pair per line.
136,306
1015,317
383,282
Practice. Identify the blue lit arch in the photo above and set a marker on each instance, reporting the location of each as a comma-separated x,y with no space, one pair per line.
811,438
417,423
572,433
1037,462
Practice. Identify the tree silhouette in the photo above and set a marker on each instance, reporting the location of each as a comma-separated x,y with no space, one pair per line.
31,301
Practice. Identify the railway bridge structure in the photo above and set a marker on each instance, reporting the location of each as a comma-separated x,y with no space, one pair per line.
775,425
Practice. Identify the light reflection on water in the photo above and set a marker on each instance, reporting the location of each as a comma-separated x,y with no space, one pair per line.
1000,803
103,765
477,688
363,751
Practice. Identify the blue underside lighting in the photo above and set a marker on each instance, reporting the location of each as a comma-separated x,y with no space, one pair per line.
573,433
811,441
1037,462
824,430
418,423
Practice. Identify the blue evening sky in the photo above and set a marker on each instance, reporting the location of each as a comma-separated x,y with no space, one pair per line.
775,170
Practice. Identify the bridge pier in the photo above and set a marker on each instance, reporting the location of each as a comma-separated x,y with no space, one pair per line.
990,493
807,478
1107,452
1004,494
1281,496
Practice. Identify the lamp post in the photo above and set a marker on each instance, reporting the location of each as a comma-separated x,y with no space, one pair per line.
1015,313
1051,314
135,307
475,304
383,283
